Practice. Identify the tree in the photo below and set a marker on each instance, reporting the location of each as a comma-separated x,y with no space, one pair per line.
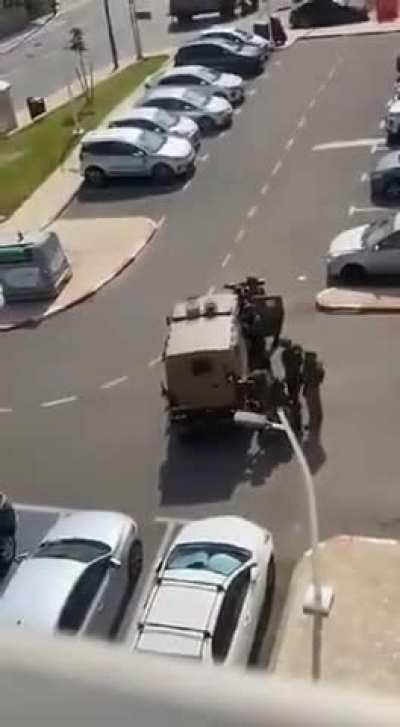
77,45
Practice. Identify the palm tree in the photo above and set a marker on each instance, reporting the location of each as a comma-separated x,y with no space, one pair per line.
77,45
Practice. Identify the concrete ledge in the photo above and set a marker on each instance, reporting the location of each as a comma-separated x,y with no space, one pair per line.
99,250
358,645
359,300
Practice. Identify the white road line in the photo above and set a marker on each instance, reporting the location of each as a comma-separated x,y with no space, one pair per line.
322,88
277,63
187,185
204,157
226,259
332,73
154,361
46,509
382,124
252,92
211,290
5,410
276,168
311,104
302,278
289,143
265,75
58,402
252,211
131,631
161,221
301,124
364,177
114,382
240,235
353,210
347,144
264,189
237,112
222,134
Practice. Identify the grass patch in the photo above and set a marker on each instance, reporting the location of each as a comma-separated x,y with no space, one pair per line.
30,155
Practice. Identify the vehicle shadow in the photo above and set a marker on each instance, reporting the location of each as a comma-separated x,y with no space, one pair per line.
381,284
208,467
123,189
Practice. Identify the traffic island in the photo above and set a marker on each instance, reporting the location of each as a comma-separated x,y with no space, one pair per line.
359,300
358,645
98,250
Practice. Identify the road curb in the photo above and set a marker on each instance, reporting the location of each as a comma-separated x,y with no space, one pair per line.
36,320
347,35
27,36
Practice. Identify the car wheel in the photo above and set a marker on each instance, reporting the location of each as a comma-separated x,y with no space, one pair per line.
391,190
135,562
163,174
95,176
206,124
353,274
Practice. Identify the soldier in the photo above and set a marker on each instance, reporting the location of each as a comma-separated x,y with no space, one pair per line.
292,362
313,375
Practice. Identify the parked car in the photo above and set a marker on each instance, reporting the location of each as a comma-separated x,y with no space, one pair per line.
246,60
210,592
183,10
124,152
372,249
160,121
385,180
392,122
321,13
238,36
79,579
227,85
210,112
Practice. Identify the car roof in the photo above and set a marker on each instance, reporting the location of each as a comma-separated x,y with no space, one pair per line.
139,112
229,530
124,134
95,525
183,70
222,42
216,29
36,594
203,332
166,92
389,161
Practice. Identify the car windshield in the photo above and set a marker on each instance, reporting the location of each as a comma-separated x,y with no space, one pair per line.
196,98
377,231
84,551
151,141
165,118
213,557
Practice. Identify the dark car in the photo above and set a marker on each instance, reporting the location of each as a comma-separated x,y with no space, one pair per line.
385,180
320,13
223,56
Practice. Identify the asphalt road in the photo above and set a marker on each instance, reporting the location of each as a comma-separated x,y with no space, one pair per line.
261,200
41,66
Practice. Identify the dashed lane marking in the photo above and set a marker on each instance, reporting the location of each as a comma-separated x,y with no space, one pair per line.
276,168
302,278
240,235
322,88
332,73
312,103
5,410
252,211
226,259
302,122
114,382
289,144
264,189
58,402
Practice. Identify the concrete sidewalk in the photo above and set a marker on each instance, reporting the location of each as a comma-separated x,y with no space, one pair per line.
98,250
358,645
359,300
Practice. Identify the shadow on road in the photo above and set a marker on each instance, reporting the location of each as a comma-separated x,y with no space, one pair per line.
208,467
124,189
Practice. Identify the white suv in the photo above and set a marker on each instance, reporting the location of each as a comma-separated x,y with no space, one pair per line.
128,152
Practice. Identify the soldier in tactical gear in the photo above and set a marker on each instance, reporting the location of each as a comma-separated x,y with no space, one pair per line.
313,375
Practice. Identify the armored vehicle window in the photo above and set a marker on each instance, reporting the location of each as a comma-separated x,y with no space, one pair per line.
201,366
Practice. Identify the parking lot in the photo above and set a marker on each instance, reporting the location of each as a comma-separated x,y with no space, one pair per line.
267,198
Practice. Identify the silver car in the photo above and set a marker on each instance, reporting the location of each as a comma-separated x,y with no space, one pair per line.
372,249
125,152
236,35
80,578
159,121
227,85
209,111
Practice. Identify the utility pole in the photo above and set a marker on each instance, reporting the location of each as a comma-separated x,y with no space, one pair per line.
135,30
111,35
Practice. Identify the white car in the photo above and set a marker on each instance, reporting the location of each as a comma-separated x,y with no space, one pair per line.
153,119
202,106
366,250
237,35
227,85
210,592
124,152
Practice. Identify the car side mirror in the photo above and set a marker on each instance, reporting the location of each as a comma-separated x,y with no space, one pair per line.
115,563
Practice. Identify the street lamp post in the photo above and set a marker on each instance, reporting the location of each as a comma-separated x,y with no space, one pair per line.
318,598
135,30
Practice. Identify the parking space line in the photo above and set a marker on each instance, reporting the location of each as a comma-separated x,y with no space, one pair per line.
240,235
382,124
364,177
301,124
353,210
204,157
171,525
154,361
226,260
114,382
161,221
276,168
186,185
321,88
252,211
264,189
252,92
237,112
332,73
289,143
58,402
